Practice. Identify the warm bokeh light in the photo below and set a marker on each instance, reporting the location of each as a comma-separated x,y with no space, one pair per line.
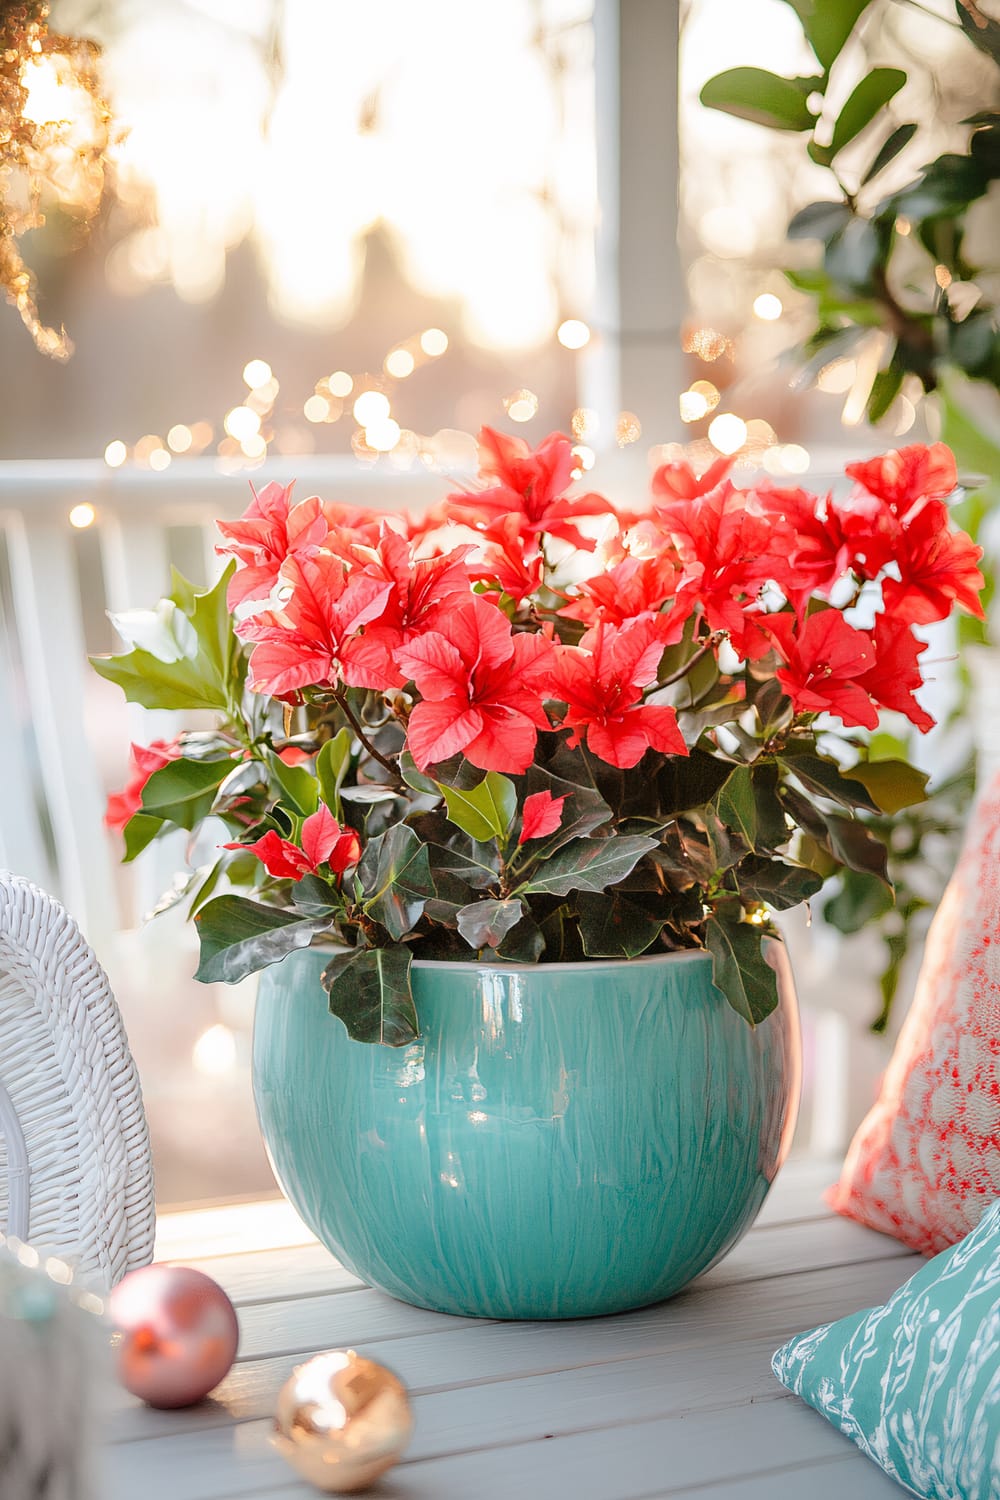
115,454
585,457
584,422
628,429
768,307
254,446
370,408
340,383
727,432
573,334
82,516
693,406
838,376
399,363
214,1053
159,459
434,342
241,423
521,406
179,438
794,458
256,372
382,435
316,409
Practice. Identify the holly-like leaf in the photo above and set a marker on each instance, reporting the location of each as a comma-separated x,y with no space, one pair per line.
238,937
485,811
140,830
332,765
524,944
485,924
686,782
737,805
298,787
819,221
370,992
763,97
742,973
892,783
584,810
861,899
856,846
475,864
615,927
588,865
395,876
827,25
889,150
183,791
776,882
817,774
864,102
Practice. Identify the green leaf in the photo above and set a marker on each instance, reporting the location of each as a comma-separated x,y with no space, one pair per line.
415,778
885,389
980,28
863,104
183,791
685,782
297,786
584,810
484,811
741,971
775,882
852,255
395,875
238,937
737,806
615,927
485,924
370,992
332,764
889,150
819,221
140,830
892,783
589,865
524,944
817,774
861,899
827,25
765,98
475,864
315,896
856,846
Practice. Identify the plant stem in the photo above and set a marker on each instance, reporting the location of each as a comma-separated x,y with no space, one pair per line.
692,661
355,723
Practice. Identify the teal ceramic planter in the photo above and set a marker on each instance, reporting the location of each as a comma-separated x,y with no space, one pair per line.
564,1140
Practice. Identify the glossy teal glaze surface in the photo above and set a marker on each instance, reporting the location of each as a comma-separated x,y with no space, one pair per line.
563,1141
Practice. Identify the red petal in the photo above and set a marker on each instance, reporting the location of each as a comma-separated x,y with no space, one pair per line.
437,731
541,815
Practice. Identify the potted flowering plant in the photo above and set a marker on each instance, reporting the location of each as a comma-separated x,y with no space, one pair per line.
474,767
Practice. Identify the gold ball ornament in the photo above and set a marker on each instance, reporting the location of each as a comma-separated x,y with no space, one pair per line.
342,1421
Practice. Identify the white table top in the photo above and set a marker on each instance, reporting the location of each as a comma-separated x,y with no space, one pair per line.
676,1400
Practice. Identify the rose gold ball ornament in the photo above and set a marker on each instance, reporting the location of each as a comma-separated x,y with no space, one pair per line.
175,1336
342,1421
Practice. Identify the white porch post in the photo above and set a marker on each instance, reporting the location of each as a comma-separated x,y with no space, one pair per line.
635,363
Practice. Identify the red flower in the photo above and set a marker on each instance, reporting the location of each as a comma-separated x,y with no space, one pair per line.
421,594
678,481
271,529
907,475
541,816
145,760
513,563
896,676
634,587
824,658
601,682
937,570
324,842
308,641
481,689
820,553
531,485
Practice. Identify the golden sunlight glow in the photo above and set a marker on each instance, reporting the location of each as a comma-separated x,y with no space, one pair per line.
584,422
708,390
241,423
434,342
693,406
340,383
256,372
159,459
399,363
585,457
521,406
382,435
838,376
254,446
573,334
214,1053
794,458
115,454
628,429
727,432
82,516
316,409
370,408
768,307
179,438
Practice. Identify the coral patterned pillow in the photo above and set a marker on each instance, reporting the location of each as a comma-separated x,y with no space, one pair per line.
925,1163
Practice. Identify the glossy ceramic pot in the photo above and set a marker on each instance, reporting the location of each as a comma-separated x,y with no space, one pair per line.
564,1140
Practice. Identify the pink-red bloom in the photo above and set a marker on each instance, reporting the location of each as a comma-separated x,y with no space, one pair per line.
481,690
541,815
530,484
938,569
678,481
512,562
145,760
309,640
270,529
601,681
907,475
323,842
634,587
896,674
824,658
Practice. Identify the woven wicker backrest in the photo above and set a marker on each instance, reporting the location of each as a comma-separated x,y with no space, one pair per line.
75,1170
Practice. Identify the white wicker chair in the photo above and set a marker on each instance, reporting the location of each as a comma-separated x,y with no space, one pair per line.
75,1171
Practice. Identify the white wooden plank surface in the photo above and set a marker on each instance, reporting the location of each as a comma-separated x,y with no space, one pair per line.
675,1400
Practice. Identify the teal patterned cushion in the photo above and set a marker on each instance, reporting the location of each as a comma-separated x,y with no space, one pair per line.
916,1383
